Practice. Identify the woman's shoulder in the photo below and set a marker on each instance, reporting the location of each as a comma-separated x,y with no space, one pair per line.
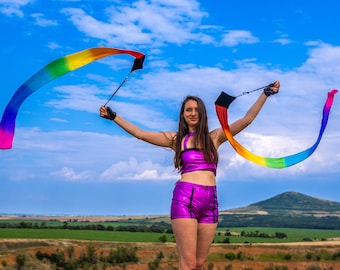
171,137
217,136
214,133
170,134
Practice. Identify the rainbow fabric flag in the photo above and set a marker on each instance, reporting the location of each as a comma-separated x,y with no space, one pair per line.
221,105
48,73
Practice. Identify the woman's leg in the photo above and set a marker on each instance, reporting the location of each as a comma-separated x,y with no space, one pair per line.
205,237
193,242
185,232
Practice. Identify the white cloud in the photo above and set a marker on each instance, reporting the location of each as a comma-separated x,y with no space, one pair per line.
53,45
134,170
58,120
277,146
42,21
68,174
77,97
13,7
323,60
143,22
85,98
85,156
283,41
234,37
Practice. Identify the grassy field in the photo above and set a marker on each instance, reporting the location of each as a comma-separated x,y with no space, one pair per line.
82,235
53,228
293,235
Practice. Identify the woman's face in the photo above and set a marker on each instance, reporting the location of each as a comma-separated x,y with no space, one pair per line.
190,113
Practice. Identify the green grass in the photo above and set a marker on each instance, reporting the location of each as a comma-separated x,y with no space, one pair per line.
55,231
293,235
82,235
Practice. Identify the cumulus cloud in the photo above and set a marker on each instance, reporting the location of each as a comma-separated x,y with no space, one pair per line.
144,23
234,37
13,7
155,24
134,170
69,174
283,41
42,21
323,60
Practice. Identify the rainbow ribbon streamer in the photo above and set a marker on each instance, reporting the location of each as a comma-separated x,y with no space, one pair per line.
48,73
222,104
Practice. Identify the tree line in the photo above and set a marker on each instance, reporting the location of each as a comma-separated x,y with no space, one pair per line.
154,228
280,221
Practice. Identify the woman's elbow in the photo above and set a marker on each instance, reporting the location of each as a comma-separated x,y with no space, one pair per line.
247,120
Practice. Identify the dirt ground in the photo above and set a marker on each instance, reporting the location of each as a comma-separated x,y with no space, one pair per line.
253,257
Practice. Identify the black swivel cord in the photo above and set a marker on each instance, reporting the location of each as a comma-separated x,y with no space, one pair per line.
248,92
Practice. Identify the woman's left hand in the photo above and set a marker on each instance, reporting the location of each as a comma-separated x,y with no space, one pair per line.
272,89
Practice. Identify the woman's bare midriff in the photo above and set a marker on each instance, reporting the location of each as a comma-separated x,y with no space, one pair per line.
205,178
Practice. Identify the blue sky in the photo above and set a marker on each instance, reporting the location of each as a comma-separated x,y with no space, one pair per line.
66,160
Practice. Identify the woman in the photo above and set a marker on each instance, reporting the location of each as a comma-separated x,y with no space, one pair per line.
194,208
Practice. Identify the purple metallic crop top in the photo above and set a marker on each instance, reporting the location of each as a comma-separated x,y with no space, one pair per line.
193,159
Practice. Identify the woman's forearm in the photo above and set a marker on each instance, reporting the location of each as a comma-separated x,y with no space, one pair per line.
254,110
129,127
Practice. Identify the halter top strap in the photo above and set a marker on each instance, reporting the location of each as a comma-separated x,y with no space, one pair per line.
186,138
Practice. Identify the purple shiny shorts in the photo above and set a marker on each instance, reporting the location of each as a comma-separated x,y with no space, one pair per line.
194,201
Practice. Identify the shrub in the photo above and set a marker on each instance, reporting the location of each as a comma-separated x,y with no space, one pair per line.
230,256
288,257
20,260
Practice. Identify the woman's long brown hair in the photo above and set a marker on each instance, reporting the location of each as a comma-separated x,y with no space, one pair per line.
202,139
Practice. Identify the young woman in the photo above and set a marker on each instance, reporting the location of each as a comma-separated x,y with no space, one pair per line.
194,208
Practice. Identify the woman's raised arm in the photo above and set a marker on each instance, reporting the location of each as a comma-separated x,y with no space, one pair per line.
218,135
164,139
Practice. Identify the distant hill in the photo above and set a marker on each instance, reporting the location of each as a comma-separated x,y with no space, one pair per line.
289,209
292,203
